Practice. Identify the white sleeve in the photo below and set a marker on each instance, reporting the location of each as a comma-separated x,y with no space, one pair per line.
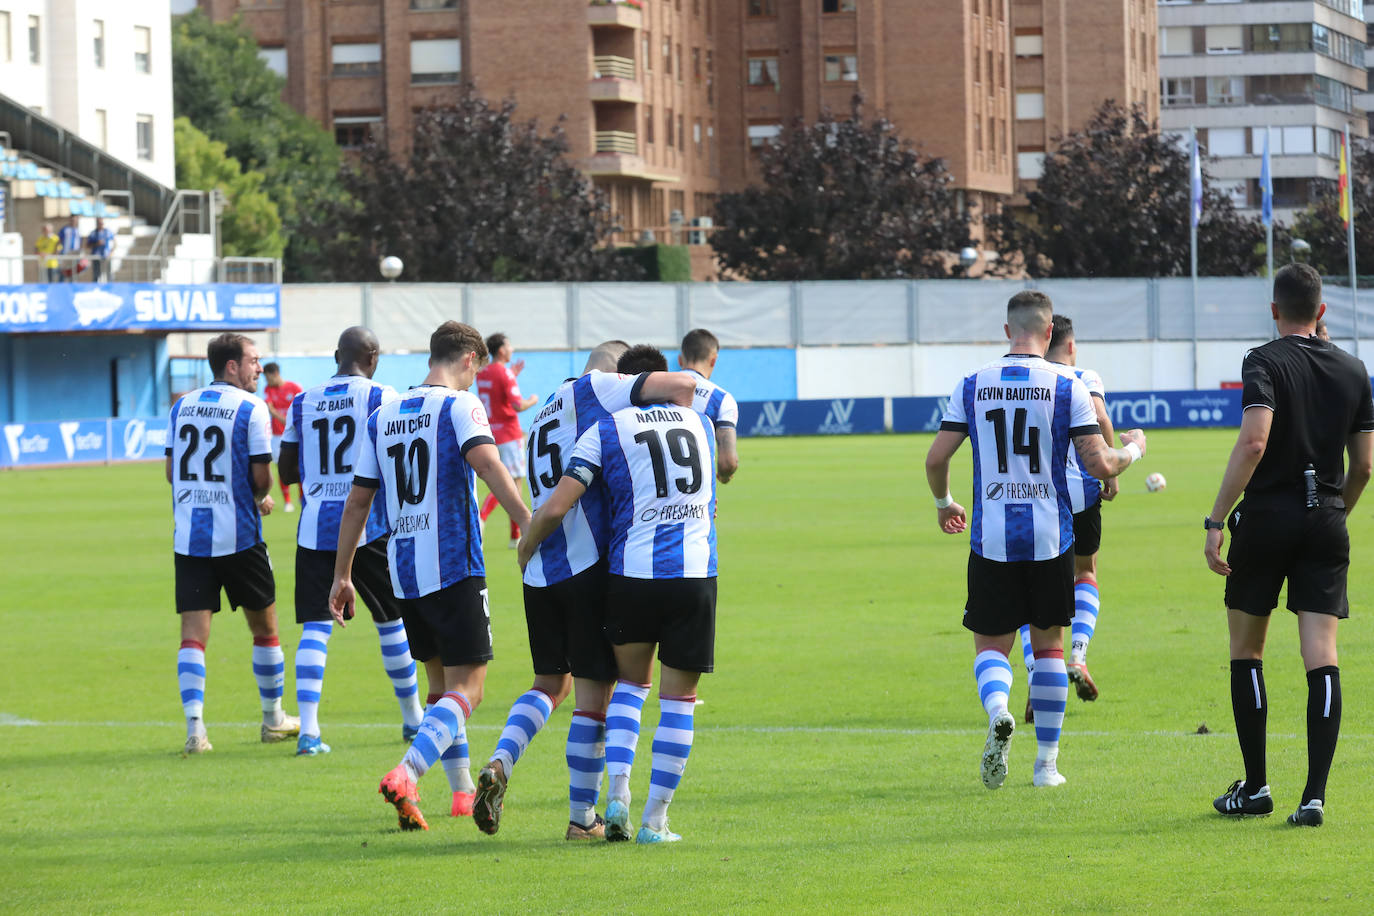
366,473
260,432
729,410
291,434
1093,382
615,391
585,462
470,424
1082,414
389,394
954,418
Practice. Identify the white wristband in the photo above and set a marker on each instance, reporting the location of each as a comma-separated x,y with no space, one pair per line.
1133,450
944,503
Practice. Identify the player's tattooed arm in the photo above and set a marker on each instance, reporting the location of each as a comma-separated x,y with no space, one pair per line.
1101,460
727,457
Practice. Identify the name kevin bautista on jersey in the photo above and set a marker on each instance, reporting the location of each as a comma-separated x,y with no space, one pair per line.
998,393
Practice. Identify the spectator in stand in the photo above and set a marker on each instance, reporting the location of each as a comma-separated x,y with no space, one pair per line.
71,243
47,246
279,394
101,245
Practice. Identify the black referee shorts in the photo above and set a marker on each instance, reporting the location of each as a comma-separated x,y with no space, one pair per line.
1087,530
371,580
245,577
565,623
1308,547
1003,596
678,614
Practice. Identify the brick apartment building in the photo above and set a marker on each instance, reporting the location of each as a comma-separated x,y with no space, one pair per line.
667,102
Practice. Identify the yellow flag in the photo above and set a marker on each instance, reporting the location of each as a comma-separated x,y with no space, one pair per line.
1344,187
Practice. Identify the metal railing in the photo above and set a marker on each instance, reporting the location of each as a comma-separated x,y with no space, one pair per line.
137,268
617,141
609,66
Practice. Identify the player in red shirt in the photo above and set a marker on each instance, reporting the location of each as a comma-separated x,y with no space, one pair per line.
278,394
500,394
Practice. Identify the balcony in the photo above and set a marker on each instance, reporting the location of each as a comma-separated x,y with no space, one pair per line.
613,80
616,141
622,15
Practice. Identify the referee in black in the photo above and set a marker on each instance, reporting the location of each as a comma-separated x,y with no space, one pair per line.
1306,403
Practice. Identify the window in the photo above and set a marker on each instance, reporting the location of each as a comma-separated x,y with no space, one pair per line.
356,59
760,134
434,4
667,57
1226,141
1029,45
1234,188
763,71
841,68
1030,106
696,64
837,6
275,59
648,58
1177,91
977,135
143,49
98,42
681,135
34,43
648,124
1225,90
668,127
102,128
1175,40
1297,141
355,131
4,37
145,136
696,134
762,8
1327,142
1030,166
1225,39
679,63
435,60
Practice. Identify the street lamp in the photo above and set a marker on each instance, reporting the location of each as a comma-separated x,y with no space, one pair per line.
390,267
967,258
1301,251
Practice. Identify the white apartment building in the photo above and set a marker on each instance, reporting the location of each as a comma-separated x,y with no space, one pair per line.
1235,69
99,68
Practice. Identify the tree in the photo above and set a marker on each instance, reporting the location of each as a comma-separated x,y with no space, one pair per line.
841,199
226,90
1113,201
250,226
482,198
1320,225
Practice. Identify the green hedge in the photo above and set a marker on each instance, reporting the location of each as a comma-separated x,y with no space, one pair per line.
665,263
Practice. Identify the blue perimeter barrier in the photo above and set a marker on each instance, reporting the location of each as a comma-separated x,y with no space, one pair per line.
113,440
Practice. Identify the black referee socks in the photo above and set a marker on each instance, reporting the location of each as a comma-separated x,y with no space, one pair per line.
1323,727
1250,707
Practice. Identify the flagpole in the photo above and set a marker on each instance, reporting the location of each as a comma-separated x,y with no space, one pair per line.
1193,221
1269,218
1349,193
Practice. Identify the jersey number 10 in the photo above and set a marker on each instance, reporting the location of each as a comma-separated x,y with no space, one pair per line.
1025,440
412,470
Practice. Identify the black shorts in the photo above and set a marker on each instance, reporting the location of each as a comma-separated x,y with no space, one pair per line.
1309,548
565,623
246,577
371,580
453,623
678,614
1087,530
1003,596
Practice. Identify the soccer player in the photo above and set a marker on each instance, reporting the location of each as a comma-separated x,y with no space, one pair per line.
1085,496
500,394
323,433
698,355
656,462
1023,415
217,463
1306,406
421,452
565,592
279,394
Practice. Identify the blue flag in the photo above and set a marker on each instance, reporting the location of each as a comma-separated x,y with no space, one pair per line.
1197,185
1266,186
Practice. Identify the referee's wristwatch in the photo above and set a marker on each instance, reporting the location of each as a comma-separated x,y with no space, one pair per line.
1210,525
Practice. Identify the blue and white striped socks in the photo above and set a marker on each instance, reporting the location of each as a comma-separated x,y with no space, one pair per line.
1049,694
400,667
1027,653
311,655
443,722
527,716
269,668
586,757
622,735
672,744
191,681
994,676
1086,604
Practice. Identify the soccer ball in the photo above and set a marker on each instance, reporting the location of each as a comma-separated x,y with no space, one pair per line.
1155,482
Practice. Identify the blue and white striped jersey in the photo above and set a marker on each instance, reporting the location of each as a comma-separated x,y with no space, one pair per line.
658,464
1021,414
415,453
1084,488
327,423
578,404
715,402
216,434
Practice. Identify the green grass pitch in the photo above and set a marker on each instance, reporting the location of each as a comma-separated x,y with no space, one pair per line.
836,759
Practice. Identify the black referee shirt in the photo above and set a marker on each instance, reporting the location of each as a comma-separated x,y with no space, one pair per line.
1320,395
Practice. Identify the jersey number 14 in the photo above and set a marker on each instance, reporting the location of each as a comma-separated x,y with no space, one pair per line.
1025,440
